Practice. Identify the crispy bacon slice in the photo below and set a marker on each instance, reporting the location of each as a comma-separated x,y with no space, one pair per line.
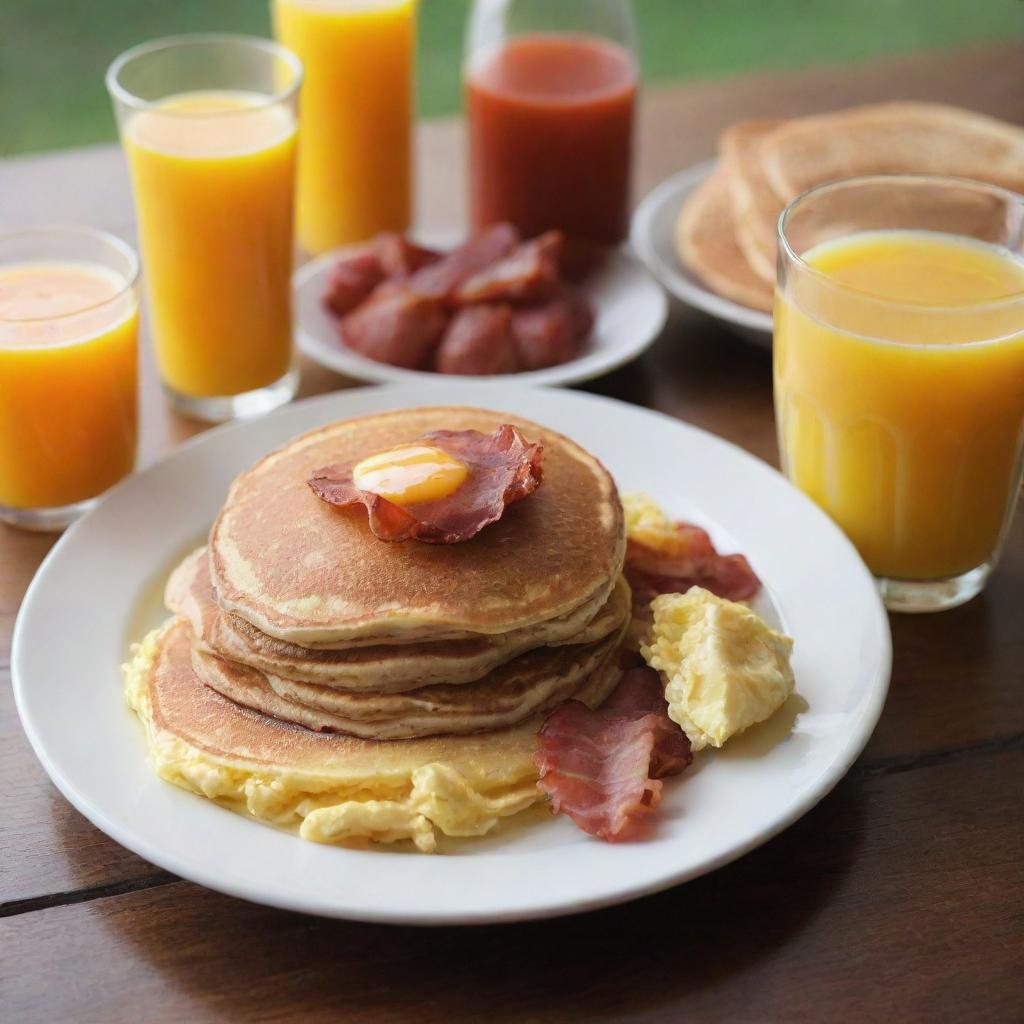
399,257
351,281
479,340
552,333
440,280
503,468
396,326
690,561
528,274
604,768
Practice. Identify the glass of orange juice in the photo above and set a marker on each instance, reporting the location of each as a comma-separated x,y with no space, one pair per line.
899,374
355,149
68,372
208,123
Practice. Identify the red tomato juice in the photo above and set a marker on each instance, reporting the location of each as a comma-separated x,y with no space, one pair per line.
550,135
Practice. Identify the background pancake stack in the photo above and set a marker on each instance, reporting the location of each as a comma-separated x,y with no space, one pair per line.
298,611
726,232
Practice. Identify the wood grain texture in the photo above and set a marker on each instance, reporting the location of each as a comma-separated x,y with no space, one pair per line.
900,897
46,847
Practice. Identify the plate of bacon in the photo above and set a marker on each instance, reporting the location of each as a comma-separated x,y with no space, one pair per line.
537,311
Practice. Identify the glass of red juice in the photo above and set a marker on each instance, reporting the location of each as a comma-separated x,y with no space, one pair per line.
550,90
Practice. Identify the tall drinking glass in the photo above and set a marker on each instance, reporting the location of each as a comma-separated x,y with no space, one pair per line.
68,371
550,95
899,373
208,123
358,100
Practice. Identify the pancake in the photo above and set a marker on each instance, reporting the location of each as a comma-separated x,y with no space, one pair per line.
561,629
528,685
377,669
308,573
340,788
886,138
755,206
706,243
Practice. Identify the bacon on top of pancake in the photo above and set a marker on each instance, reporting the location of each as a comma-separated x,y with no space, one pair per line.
500,469
604,767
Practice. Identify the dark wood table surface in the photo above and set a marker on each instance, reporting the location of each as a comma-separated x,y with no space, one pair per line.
899,898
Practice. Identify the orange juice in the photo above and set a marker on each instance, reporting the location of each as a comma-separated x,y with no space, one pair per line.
906,424
68,388
213,174
357,109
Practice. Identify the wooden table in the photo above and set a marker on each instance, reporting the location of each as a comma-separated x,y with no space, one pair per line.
900,897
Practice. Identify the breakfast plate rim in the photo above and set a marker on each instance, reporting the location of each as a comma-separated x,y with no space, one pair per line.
587,366
665,201
334,405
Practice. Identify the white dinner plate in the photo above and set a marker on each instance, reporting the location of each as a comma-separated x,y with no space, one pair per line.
629,307
653,237
99,590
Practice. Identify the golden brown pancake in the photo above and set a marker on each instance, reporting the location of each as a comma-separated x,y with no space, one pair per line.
524,687
380,669
309,573
755,205
770,163
706,243
924,138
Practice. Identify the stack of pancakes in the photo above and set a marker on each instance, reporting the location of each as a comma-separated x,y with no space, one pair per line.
726,231
298,611
301,640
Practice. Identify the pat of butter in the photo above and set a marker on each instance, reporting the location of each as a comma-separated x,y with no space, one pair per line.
410,475
726,669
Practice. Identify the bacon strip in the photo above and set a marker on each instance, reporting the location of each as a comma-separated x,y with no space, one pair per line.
441,279
691,561
395,326
604,768
399,258
351,282
554,331
503,468
479,340
527,274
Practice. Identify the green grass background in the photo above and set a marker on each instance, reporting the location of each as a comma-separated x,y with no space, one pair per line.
53,52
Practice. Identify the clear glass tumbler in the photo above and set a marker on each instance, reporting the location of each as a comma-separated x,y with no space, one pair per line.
68,371
208,123
359,103
899,373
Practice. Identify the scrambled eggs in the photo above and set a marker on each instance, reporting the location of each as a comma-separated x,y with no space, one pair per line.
438,796
725,668
647,524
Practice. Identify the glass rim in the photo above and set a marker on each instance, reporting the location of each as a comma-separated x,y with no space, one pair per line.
97,234
269,47
945,180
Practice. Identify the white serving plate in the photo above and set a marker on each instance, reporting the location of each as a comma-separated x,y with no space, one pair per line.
98,590
629,306
653,237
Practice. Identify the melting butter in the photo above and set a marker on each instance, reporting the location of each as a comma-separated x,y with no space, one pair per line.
411,474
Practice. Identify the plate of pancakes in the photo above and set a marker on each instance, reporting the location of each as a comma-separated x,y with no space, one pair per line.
290,676
709,232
